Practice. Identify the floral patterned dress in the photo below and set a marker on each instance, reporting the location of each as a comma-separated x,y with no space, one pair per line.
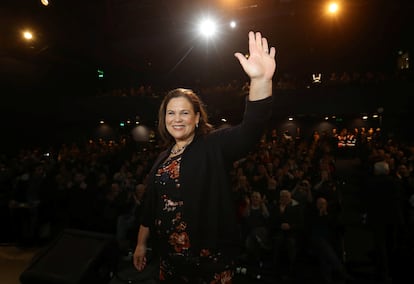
177,260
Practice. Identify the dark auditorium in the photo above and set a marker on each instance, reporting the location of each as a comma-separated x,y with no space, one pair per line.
325,195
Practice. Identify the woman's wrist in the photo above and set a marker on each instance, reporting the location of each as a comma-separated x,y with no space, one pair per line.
260,88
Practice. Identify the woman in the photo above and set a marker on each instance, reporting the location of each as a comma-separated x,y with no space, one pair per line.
188,210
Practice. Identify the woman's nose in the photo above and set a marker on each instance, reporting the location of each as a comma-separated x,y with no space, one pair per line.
177,117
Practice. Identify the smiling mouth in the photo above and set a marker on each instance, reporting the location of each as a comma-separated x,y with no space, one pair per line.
178,127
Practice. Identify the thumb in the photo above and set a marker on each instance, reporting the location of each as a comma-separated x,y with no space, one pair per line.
242,59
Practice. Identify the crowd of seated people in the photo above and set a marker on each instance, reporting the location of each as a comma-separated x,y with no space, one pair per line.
284,81
290,194
282,180
286,193
97,186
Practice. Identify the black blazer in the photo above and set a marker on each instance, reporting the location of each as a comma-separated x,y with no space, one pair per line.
204,179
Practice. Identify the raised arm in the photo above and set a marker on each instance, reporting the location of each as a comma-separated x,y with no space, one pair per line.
260,66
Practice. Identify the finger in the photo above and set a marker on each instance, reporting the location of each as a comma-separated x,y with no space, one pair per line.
272,52
252,41
139,263
242,59
136,263
265,45
141,267
259,40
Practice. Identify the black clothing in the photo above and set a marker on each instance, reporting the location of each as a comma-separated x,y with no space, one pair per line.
205,185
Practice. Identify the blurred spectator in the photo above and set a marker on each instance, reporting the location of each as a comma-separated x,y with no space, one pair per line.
255,235
325,234
287,232
383,199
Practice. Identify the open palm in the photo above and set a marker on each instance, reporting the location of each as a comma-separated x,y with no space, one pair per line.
260,64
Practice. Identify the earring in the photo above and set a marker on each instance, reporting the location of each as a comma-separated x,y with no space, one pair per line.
196,125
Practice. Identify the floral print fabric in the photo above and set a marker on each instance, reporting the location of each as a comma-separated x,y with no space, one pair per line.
177,261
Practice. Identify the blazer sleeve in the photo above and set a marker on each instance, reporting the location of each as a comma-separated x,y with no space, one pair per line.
237,141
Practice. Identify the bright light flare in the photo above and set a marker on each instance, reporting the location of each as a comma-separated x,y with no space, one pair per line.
208,28
27,35
45,2
332,8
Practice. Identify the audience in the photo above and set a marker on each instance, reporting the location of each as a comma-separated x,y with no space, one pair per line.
286,191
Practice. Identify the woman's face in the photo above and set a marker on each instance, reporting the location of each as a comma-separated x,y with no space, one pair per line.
180,119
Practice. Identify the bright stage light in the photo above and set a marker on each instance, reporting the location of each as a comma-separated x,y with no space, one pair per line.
27,35
332,8
207,28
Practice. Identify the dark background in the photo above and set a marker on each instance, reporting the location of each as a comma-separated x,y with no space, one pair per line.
51,84
139,41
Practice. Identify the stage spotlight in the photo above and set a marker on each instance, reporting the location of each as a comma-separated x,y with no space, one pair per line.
27,35
207,28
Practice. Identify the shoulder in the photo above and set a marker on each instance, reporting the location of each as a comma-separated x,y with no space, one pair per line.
161,157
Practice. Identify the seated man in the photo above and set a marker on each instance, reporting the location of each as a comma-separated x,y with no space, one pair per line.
286,224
